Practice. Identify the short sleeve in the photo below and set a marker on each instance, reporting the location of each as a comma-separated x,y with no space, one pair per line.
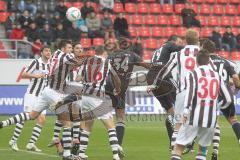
31,67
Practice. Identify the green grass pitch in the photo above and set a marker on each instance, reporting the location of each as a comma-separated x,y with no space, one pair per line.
144,140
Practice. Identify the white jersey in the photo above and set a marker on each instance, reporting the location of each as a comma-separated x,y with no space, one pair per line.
37,66
95,71
185,61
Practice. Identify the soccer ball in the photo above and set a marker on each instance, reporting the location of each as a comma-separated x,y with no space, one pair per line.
73,14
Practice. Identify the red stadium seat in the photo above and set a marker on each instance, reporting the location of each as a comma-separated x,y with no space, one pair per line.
167,8
168,31
67,4
162,41
235,56
217,9
3,55
175,20
155,8
210,1
206,32
234,1
222,30
238,9
143,8
202,20
86,42
157,32
3,16
144,31
230,9
197,1
95,6
130,8
151,43
178,8
163,20
222,1
98,41
205,9
195,8
236,21
78,4
133,31
150,20
118,7
3,6
224,54
213,21
137,19
225,21
235,31
113,16
181,31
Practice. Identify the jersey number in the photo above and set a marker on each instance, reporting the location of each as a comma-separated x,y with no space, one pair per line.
96,75
190,63
207,88
118,65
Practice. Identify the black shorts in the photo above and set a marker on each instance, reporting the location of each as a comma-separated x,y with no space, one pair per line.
166,101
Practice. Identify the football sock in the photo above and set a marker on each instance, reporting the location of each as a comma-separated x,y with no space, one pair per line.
174,137
175,157
67,142
236,129
57,129
16,119
200,157
169,126
76,129
216,140
113,141
36,133
120,129
17,131
83,142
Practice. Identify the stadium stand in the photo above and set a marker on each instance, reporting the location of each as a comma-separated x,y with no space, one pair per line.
155,23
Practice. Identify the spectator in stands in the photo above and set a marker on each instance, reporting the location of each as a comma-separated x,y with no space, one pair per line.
24,49
107,5
27,5
60,33
168,1
25,19
36,48
53,22
61,9
46,35
216,37
137,47
229,39
17,32
40,19
107,26
9,23
81,24
32,33
94,26
238,39
121,26
189,16
74,33
86,9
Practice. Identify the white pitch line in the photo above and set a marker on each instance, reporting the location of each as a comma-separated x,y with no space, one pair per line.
31,152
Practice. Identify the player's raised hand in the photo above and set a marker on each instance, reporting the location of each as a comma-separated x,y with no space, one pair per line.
116,91
186,113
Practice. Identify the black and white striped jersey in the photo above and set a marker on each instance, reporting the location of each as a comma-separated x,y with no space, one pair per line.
94,73
37,66
184,60
203,88
225,68
61,65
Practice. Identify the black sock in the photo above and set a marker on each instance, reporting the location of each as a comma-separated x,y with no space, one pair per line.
120,129
236,129
169,126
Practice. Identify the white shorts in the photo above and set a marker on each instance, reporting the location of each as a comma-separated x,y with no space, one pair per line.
100,107
50,97
179,107
188,133
73,87
30,103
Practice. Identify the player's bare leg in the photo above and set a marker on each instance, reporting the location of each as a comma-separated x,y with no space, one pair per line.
177,152
36,133
202,153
